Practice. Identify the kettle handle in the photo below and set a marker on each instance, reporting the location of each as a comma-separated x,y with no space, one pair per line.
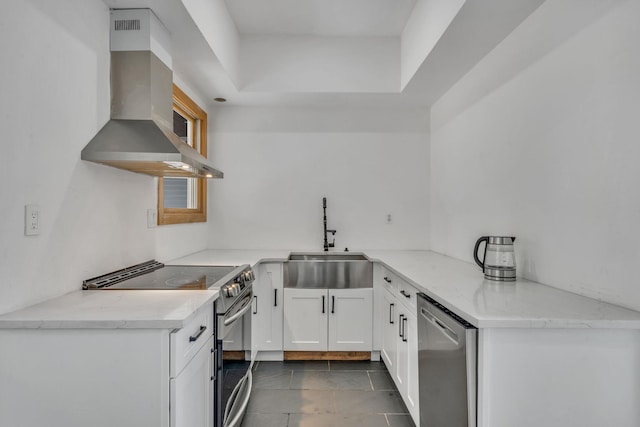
484,239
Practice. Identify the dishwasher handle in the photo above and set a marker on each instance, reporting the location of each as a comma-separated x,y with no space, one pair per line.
440,325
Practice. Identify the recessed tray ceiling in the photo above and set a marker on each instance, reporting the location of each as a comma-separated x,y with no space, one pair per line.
321,17
227,38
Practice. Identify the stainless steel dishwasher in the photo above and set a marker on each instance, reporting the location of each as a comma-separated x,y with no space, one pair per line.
447,357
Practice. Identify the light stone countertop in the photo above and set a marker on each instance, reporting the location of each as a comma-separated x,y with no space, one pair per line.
232,257
461,287
457,284
100,309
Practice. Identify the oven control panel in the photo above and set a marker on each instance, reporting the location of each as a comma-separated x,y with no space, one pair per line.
238,284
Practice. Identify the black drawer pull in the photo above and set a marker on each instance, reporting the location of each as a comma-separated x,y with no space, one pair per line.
386,279
404,329
391,313
275,297
406,295
195,337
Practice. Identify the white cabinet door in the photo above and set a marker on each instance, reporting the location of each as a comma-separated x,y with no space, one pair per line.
378,306
191,392
411,335
305,319
350,319
266,323
389,318
402,355
406,370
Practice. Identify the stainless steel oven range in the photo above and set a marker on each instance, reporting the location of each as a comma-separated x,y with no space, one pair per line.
232,308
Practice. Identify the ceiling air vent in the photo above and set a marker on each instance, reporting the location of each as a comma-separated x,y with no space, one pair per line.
127,25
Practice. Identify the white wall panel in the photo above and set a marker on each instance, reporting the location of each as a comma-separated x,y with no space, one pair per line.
279,163
320,64
55,97
547,151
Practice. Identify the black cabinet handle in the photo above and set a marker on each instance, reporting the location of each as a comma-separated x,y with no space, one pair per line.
391,313
213,364
275,297
195,337
404,329
406,295
333,304
322,304
386,279
400,325
255,299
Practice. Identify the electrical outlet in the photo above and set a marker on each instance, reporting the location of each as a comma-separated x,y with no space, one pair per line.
32,218
388,219
152,218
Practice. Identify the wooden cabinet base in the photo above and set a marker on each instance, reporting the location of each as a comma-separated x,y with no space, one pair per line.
327,355
233,355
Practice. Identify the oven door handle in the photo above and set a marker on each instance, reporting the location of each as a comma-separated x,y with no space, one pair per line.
247,307
235,409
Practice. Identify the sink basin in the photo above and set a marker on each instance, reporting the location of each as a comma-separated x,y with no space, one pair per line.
333,270
327,256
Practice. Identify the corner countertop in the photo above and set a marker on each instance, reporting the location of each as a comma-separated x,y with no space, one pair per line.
461,287
127,309
232,257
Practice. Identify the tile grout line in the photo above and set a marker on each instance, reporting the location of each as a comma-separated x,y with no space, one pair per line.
370,381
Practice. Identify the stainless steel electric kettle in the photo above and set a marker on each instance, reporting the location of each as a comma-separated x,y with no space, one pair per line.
499,260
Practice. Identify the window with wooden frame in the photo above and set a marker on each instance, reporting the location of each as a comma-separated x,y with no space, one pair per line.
184,200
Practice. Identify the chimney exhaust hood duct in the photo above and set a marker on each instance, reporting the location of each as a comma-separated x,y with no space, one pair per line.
139,136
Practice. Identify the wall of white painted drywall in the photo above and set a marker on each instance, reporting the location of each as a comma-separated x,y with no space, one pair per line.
280,163
540,141
428,21
218,28
320,64
55,97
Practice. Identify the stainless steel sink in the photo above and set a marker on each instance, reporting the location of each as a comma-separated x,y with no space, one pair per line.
335,270
327,256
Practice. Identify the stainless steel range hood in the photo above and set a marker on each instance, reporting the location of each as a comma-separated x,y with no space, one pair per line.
139,136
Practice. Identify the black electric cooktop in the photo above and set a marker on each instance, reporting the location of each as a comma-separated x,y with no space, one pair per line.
164,277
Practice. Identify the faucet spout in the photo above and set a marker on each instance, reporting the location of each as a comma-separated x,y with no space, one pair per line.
327,244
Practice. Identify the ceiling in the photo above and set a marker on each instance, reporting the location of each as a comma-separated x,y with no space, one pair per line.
321,17
478,27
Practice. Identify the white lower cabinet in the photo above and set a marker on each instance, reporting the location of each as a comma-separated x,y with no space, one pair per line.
408,364
328,320
108,377
305,320
350,320
267,318
399,338
192,391
389,330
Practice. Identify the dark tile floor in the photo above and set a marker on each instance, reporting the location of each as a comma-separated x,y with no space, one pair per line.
324,394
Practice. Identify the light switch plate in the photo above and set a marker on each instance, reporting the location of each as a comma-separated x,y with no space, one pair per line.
152,218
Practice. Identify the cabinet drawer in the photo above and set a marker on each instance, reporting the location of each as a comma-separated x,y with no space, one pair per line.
390,281
186,342
407,296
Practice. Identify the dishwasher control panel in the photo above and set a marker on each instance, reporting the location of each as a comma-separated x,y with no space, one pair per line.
448,312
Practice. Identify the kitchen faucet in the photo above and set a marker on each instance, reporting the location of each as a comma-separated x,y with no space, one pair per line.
327,245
